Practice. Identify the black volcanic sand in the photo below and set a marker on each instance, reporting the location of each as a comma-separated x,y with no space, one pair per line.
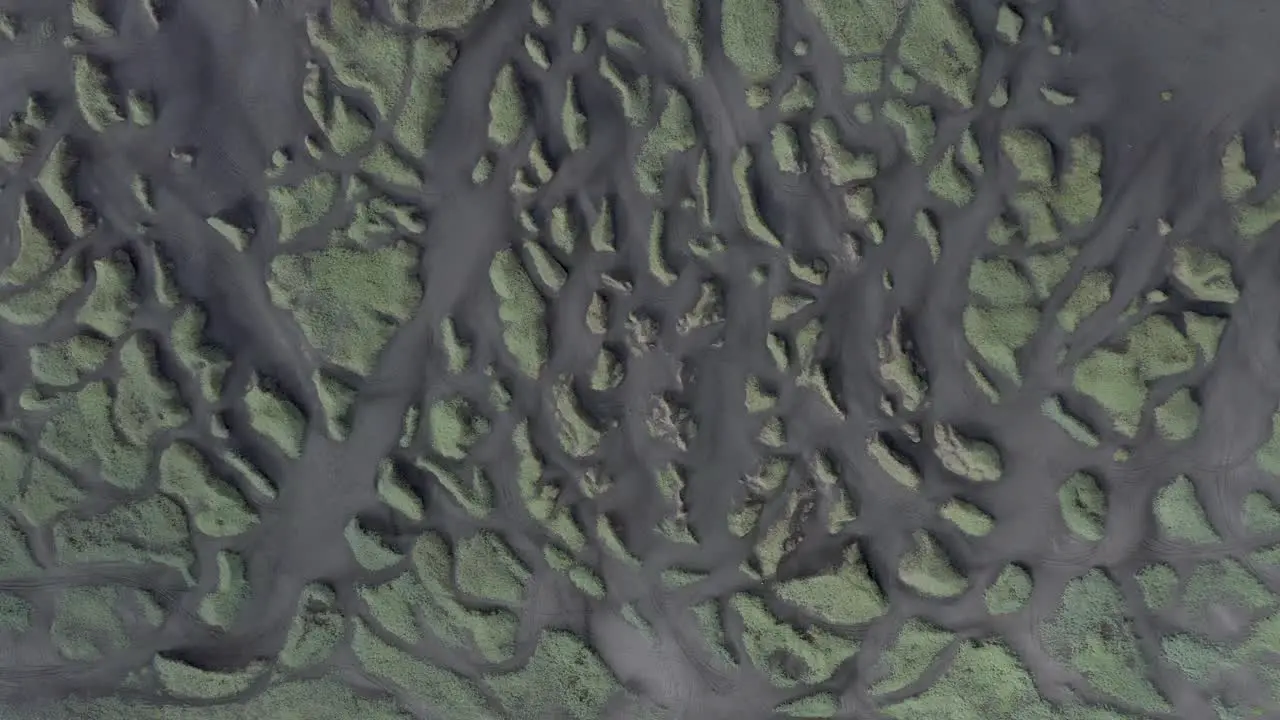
494,359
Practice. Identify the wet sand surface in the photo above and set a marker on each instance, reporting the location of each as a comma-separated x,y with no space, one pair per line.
460,359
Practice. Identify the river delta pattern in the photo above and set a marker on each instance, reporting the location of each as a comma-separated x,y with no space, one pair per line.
488,359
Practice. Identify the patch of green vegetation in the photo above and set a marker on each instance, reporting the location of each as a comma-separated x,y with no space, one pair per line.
710,623
146,531
968,517
839,164
57,179
1091,633
1197,659
1205,332
36,251
387,163
1079,194
395,491
857,27
635,95
1048,269
801,97
539,163
1010,591
982,382
902,81
821,705
337,399
938,47
894,464
684,18
1084,506
574,122
507,114
862,76
87,624
1178,417
1180,514
1030,154
1009,24
1074,426
755,224
486,567
845,595
749,29
540,497
786,656
438,687
927,228
18,137
996,332
926,568
441,14
577,432
786,148
395,605
1159,583
1093,291
784,306
759,397
81,432
914,649
15,550
1261,514
1057,97
67,362
985,681
564,674
454,426
1237,180
368,549
1268,455
916,123
86,17
348,300
1000,282
579,574
521,309
493,632
275,417
205,362
1221,582
109,308
145,402
48,492
304,204
15,613
221,606
537,51
1252,220
235,235
347,127
1118,381
1205,274
365,54
673,134
93,94
948,182
323,699
315,630
974,459
216,507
